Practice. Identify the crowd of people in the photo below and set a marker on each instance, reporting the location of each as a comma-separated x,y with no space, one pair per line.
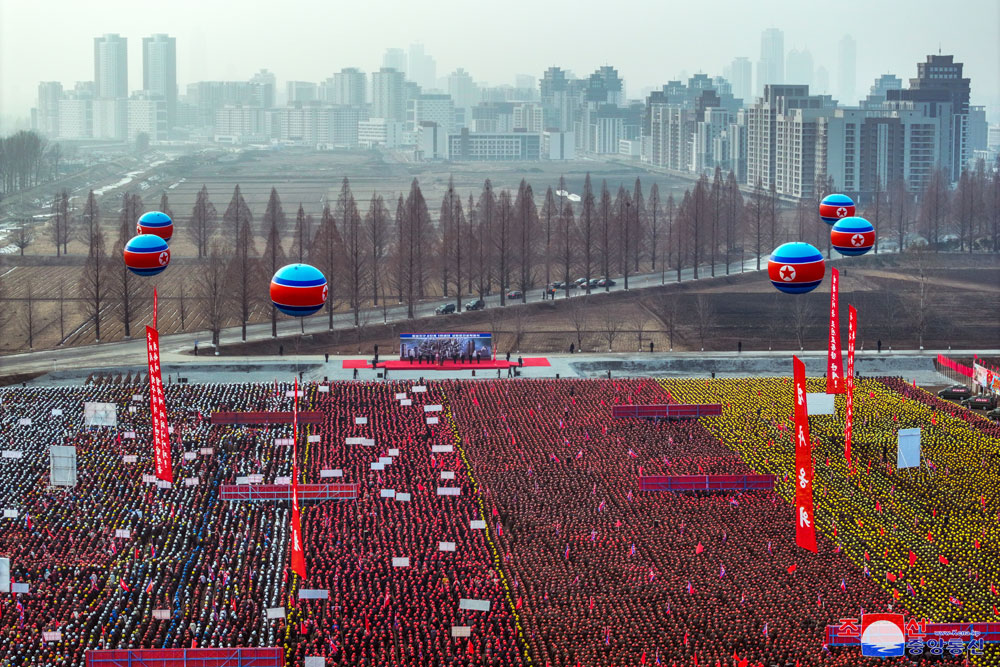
577,565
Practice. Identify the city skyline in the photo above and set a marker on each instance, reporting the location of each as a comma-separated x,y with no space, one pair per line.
199,57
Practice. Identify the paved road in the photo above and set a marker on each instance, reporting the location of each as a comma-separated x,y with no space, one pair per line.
134,351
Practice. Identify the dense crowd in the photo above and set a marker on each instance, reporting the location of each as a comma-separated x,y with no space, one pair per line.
578,566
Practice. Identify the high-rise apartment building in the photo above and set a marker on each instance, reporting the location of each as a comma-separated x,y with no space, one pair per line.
422,68
111,66
740,74
47,111
350,87
159,71
395,59
462,89
847,66
799,67
264,84
430,108
771,66
878,91
388,96
147,114
301,91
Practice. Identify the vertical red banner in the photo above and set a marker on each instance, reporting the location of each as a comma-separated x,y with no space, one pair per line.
834,361
805,530
158,409
298,555
852,332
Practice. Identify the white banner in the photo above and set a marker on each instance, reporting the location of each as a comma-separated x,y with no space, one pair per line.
400,396
385,460
283,442
361,420
10,514
477,524
406,401
446,546
461,631
315,660
403,497
474,605
10,454
441,448
163,484
62,465
327,472
191,481
19,588
291,393
24,421
130,458
908,448
323,389
819,404
282,481
432,420
206,451
419,389
190,456
354,441
276,612
57,412
402,561
433,408
449,490
123,532
377,466
387,493
313,438
137,398
149,479
314,594
161,614
256,479
4,575
129,435
368,442
100,414
52,636
447,474
393,452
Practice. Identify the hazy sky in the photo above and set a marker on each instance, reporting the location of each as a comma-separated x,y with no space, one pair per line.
649,41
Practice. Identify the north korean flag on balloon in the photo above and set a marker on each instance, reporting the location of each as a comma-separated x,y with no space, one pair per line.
158,409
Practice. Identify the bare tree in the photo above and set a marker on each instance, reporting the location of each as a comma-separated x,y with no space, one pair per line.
274,257
446,225
23,237
670,314
704,318
567,240
328,250
356,250
213,288
899,205
994,208
182,304
454,246
526,232
302,238
165,205
698,218
485,215
756,217
28,319
242,263
716,198
62,312
419,223
519,323
201,226
126,288
604,247
94,283
60,222
550,213
734,208
666,246
654,209
637,319
802,317
502,241
587,221
682,223
638,224
89,219
377,231
579,318
611,324
934,205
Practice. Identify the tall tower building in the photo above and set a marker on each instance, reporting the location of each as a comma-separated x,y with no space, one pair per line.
847,66
388,99
350,87
771,66
422,67
159,71
740,74
395,59
111,66
799,67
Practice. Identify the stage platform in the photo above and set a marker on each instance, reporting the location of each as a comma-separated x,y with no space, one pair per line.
485,364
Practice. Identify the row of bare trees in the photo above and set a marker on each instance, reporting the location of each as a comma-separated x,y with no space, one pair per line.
25,158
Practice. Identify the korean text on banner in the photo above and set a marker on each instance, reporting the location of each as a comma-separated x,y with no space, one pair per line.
805,531
834,362
852,333
158,409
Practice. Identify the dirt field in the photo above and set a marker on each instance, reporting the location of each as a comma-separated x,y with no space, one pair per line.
962,297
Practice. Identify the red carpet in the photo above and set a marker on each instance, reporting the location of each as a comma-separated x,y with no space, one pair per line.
486,364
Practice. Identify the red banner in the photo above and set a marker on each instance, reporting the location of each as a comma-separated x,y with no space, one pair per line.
805,530
298,556
834,361
852,332
158,409
961,369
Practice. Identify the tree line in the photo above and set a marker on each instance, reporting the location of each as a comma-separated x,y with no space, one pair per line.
26,158
494,242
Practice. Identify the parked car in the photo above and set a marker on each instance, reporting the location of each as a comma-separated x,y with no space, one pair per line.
994,414
478,304
593,283
955,392
985,402
581,281
557,285
515,294
445,309
606,282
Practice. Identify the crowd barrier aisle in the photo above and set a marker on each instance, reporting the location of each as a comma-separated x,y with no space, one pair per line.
706,483
196,657
667,411
268,492
251,418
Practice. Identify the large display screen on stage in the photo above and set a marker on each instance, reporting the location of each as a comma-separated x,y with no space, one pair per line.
413,345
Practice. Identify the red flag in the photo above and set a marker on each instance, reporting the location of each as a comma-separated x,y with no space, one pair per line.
471,648
698,549
890,576
805,531
852,333
913,559
942,560
124,586
834,366
792,568
298,555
